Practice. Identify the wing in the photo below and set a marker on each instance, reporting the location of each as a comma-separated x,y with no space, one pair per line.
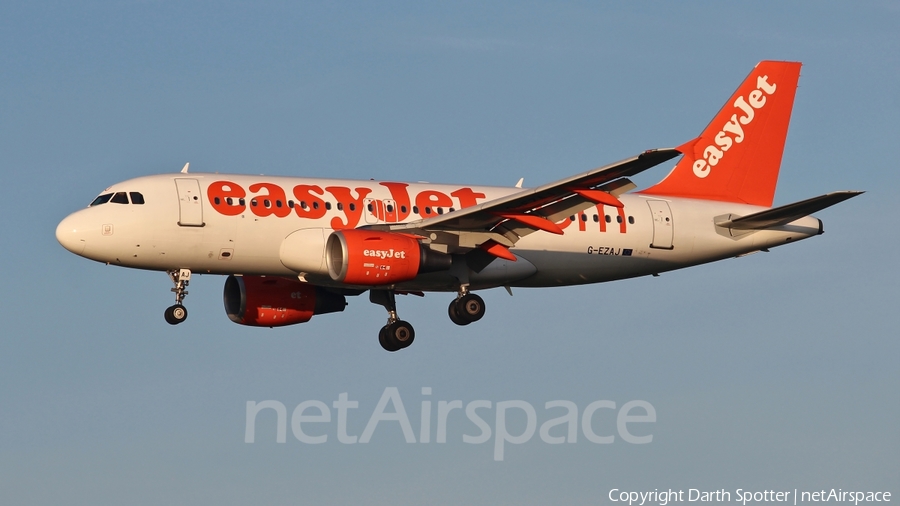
496,225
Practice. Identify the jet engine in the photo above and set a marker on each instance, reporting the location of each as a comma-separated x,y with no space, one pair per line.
262,301
372,258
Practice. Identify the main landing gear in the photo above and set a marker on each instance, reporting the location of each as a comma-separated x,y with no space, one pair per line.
466,308
178,313
397,334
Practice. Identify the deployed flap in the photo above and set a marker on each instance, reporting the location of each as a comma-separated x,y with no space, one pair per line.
551,201
783,215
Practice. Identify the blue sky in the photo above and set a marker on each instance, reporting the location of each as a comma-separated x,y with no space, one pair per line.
774,371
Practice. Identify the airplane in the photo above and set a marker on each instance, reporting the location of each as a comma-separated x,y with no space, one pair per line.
292,247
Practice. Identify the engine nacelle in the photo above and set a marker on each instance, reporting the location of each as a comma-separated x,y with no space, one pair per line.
372,258
261,301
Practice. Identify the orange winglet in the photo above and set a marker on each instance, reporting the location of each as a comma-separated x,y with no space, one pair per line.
498,250
600,197
533,220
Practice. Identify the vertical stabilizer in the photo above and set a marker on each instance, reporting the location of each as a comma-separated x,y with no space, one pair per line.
738,155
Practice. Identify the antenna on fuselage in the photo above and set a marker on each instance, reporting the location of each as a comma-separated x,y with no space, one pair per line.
184,170
519,184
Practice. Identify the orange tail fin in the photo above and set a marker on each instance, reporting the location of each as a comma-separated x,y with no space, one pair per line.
738,155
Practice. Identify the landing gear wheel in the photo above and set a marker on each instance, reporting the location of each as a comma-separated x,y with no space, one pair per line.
470,307
176,314
396,336
453,311
383,340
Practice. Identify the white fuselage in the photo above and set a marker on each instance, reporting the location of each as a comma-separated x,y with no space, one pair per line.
182,225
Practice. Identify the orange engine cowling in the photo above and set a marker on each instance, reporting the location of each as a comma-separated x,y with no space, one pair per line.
372,258
274,302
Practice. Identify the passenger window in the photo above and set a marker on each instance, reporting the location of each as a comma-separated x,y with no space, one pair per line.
369,207
415,209
328,206
277,203
618,219
572,218
340,206
608,219
136,198
102,199
253,202
217,200
596,219
390,208
352,206
291,204
427,210
229,201
403,209
267,203
583,217
631,220
440,210
119,198
241,202
315,205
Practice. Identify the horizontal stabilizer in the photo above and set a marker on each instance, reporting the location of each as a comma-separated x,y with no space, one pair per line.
778,216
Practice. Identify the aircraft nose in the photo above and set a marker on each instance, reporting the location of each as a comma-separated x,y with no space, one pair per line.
70,234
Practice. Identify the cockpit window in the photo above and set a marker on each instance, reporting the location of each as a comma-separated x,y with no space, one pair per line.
119,198
102,199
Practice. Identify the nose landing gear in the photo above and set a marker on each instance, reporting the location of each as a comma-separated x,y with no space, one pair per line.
175,314
178,313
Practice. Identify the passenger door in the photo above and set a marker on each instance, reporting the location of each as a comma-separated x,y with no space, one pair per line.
663,228
190,203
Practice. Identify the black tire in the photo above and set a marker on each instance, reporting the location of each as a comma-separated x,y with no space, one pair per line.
384,342
453,311
175,314
470,307
399,335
